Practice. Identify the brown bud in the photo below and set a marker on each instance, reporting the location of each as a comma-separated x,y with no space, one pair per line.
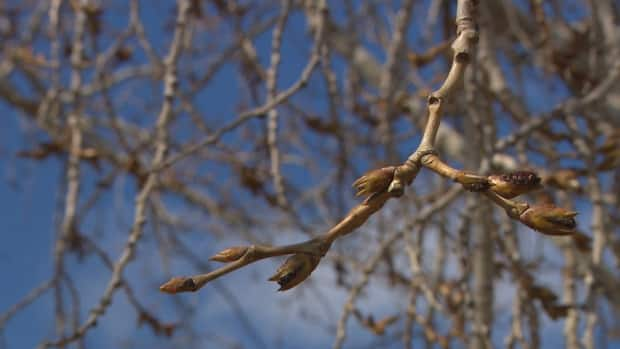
230,254
458,324
123,53
160,328
251,178
452,294
514,184
322,126
582,242
556,311
42,151
178,284
375,181
549,219
565,179
610,150
445,288
611,161
294,270
543,293
612,142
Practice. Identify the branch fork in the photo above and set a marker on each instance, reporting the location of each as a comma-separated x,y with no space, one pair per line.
379,185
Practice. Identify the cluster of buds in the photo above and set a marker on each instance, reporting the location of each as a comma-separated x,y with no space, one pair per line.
294,270
544,218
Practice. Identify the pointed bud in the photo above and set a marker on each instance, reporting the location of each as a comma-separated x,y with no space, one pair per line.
230,254
294,270
375,181
549,219
514,184
556,311
178,284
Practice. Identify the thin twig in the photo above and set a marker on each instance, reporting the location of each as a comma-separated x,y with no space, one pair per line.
32,296
170,81
282,97
272,115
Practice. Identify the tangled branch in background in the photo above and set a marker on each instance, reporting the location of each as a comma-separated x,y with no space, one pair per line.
128,103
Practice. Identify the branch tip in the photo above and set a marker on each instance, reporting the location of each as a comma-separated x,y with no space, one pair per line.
179,284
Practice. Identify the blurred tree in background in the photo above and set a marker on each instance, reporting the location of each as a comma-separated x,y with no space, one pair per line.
159,133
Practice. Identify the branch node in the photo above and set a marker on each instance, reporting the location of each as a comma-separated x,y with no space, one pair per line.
434,100
396,188
462,57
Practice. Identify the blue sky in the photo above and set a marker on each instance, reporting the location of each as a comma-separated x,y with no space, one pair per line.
30,193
